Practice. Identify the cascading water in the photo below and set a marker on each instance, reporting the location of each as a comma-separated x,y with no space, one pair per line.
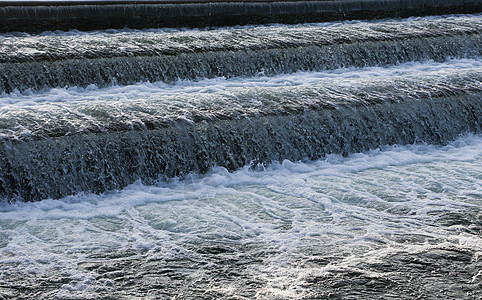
127,57
173,135
314,160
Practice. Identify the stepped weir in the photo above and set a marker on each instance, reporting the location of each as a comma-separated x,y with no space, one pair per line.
51,149
247,149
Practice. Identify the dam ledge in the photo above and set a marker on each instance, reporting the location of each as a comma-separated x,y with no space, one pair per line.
33,16
54,167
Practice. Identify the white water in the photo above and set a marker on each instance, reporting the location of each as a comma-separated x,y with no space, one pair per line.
146,91
426,20
352,211
372,220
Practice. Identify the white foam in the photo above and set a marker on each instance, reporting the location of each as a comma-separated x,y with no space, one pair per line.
145,91
279,176
168,30
351,208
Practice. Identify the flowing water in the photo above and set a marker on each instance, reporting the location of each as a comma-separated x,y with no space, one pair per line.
399,222
127,57
315,161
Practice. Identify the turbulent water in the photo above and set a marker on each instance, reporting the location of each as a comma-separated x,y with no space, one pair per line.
399,222
67,141
314,161
126,57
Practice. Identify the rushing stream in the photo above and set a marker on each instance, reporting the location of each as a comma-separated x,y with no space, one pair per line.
334,160
398,222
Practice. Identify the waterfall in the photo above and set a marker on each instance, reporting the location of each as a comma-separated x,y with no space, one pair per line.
254,149
39,62
54,150
63,142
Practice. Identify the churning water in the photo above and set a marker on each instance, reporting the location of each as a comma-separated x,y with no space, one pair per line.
328,160
397,222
